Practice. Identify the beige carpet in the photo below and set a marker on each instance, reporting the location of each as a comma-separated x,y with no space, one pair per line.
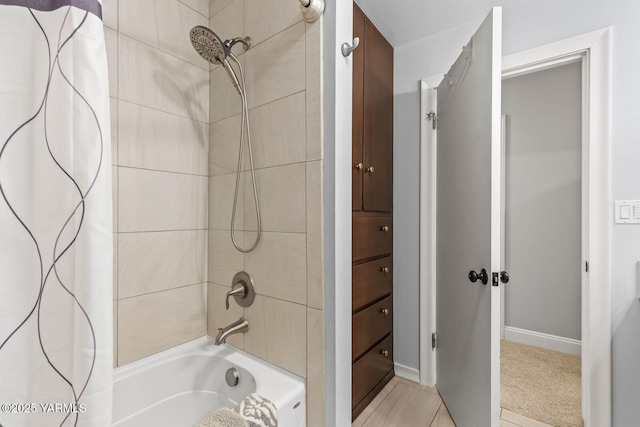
541,384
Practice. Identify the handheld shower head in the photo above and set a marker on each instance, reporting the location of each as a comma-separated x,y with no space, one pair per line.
209,45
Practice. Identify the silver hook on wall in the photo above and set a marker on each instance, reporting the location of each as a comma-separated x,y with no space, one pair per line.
348,48
311,9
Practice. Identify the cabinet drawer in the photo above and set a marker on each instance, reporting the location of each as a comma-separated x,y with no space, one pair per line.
372,236
370,325
371,369
370,281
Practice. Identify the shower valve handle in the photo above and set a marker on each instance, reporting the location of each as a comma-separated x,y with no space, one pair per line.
238,290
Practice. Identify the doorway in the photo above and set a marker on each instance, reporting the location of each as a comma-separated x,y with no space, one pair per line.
541,247
592,49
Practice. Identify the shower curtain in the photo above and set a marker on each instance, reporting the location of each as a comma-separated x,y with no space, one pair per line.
56,242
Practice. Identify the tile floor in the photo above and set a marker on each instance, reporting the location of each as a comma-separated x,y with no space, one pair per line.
403,403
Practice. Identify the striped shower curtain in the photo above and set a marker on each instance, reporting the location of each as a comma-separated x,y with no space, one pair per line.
56,239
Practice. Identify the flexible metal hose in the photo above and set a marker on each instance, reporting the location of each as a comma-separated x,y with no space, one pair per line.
245,123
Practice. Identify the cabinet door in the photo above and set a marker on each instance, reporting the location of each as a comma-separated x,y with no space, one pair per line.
378,121
358,108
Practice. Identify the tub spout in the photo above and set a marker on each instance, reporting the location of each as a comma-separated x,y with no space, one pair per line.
240,325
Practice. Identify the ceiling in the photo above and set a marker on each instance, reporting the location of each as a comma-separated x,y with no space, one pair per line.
403,21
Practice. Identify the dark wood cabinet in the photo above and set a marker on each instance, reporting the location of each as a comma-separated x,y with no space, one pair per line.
372,239
372,131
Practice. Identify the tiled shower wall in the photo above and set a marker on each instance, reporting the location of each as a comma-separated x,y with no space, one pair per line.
159,91
283,76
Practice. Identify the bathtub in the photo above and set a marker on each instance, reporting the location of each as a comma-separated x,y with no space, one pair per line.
181,386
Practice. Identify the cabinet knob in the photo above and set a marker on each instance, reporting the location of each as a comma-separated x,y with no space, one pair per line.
385,270
359,166
385,353
384,311
384,228
370,169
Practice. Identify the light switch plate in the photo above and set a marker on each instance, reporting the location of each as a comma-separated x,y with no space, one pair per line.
627,212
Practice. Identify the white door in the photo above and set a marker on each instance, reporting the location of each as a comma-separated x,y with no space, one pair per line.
468,230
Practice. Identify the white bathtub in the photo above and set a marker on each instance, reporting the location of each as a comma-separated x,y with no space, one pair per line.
183,385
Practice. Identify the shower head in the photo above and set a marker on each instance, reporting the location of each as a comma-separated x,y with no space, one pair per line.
209,45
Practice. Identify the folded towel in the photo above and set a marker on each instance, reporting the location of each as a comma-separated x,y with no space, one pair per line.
224,417
258,411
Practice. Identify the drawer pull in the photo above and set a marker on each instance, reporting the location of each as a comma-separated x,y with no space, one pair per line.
384,228
370,169
385,270
384,311
359,166
385,353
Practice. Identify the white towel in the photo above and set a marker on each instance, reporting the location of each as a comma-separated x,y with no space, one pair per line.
258,411
224,417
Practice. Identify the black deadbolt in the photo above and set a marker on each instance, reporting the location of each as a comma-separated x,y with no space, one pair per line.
482,276
504,277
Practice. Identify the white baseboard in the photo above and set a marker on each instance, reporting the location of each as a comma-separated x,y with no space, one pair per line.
407,373
538,339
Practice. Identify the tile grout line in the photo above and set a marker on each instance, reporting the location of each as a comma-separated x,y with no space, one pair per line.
163,51
197,11
159,170
161,111
160,291
259,105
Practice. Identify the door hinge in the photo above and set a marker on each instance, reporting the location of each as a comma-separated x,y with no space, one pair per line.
434,340
432,116
586,266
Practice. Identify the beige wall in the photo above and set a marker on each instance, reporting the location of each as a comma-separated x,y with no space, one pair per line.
284,94
159,91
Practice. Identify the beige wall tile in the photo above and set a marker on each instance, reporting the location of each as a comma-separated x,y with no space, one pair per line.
200,6
229,23
315,368
255,340
114,177
277,333
281,195
113,104
152,262
115,266
276,67
110,13
278,266
267,18
217,5
224,260
164,24
115,334
221,192
152,139
150,77
314,89
224,143
225,100
151,323
152,201
219,317
315,248
111,44
278,132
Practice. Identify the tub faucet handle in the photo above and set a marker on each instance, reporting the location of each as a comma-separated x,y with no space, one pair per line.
240,290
